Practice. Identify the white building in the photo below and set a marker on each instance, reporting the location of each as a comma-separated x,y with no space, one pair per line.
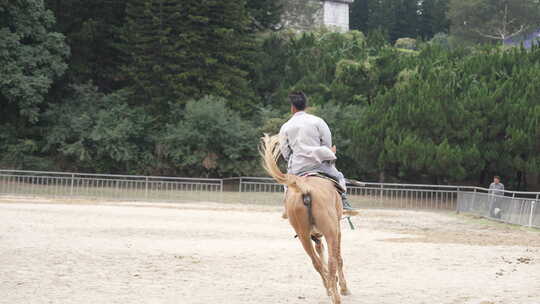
336,14
303,15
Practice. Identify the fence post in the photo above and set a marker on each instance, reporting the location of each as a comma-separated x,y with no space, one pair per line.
240,185
72,179
532,212
473,204
221,191
146,188
532,209
458,194
381,196
512,204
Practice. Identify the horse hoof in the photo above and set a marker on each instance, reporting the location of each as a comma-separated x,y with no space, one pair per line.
345,292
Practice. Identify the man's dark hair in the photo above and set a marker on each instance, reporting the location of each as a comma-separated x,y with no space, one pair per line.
497,177
298,100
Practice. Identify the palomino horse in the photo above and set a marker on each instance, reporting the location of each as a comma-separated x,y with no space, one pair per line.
314,210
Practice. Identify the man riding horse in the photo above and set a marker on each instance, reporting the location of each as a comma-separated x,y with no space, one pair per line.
312,204
306,144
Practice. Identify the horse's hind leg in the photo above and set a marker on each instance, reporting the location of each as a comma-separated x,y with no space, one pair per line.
342,282
319,247
317,262
333,250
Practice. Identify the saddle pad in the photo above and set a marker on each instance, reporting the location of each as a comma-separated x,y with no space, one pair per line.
322,175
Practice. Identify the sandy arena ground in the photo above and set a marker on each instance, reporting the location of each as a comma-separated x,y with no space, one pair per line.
212,253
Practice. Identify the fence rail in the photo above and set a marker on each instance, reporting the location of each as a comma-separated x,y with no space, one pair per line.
102,186
510,206
519,208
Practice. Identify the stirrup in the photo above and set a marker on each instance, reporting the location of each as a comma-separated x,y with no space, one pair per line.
347,208
348,218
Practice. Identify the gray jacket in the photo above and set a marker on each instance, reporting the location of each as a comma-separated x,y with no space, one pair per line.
305,142
496,189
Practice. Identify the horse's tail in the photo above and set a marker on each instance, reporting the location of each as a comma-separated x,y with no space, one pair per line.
270,153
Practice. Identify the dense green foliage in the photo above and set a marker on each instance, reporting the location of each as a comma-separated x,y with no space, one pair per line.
211,139
91,30
170,87
455,116
264,14
32,56
435,115
401,18
92,131
170,60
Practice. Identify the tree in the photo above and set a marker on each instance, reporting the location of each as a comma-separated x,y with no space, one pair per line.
358,15
183,49
32,57
265,14
211,140
309,62
433,18
92,32
400,18
492,20
453,116
407,19
382,16
92,131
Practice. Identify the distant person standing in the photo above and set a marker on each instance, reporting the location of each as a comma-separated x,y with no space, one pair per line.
496,190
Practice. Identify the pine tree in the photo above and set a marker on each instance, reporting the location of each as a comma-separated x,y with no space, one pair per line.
407,19
400,18
186,49
359,14
433,18
91,30
265,14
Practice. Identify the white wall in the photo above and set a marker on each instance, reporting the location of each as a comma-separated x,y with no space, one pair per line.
336,14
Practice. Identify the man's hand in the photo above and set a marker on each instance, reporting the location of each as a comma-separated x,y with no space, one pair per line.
334,149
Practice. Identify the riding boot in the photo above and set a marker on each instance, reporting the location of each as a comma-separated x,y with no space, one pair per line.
347,208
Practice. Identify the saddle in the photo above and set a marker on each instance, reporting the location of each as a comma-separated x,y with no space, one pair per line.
307,199
339,188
